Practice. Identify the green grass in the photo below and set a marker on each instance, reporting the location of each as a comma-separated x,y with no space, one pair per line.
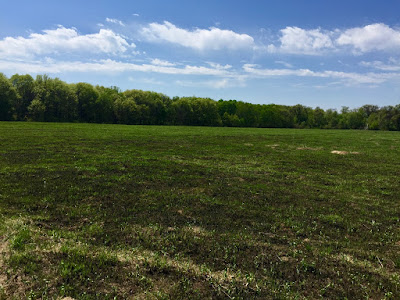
148,212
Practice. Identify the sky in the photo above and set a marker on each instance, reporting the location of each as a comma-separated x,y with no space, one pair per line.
321,53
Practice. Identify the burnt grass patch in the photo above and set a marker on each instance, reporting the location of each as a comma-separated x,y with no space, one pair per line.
103,211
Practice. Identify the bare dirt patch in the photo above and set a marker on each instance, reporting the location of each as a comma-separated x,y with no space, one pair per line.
309,148
339,152
273,146
3,250
343,152
3,247
197,230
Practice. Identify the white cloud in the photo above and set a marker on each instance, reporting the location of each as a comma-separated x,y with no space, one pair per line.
105,66
227,78
296,40
215,84
346,78
287,65
199,39
151,81
357,78
392,65
159,62
218,66
222,83
115,21
61,41
374,37
136,15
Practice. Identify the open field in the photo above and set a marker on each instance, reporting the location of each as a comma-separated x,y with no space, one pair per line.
148,212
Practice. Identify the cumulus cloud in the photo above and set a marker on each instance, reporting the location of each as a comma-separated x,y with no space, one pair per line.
115,21
63,40
374,37
199,39
298,40
346,77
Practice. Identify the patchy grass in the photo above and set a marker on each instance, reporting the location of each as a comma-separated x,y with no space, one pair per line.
147,212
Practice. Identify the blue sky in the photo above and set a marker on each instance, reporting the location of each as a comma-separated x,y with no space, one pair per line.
317,53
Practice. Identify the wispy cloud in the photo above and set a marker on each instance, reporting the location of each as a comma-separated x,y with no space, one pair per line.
199,39
159,62
222,83
107,66
348,78
219,67
64,40
151,81
115,21
392,65
227,77
286,64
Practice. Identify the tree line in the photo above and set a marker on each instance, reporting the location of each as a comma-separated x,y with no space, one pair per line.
45,99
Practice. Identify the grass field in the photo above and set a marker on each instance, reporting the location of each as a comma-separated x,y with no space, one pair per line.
147,212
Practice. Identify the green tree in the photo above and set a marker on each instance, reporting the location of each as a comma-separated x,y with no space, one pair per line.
125,111
157,106
205,112
36,110
8,96
25,85
319,118
87,97
58,97
352,119
231,120
270,116
105,104
227,107
332,119
300,115
182,112
369,109
247,113
387,118
357,119
128,112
